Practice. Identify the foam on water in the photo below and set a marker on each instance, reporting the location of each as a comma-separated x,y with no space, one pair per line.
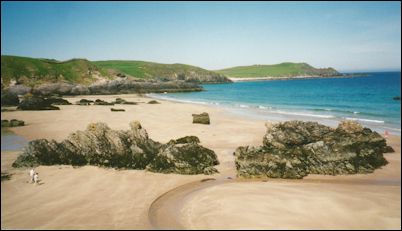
368,100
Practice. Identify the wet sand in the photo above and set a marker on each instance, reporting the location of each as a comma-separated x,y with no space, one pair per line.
99,198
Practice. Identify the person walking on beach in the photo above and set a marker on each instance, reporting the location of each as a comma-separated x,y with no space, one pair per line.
31,175
386,134
36,178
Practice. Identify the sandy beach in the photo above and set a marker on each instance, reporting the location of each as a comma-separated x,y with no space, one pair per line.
100,198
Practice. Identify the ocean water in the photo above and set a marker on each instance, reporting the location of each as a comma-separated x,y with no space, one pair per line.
367,99
12,142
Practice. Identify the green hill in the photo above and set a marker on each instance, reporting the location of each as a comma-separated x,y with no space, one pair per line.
278,70
146,70
32,71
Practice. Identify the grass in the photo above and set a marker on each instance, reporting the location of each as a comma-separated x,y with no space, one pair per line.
142,69
32,71
277,70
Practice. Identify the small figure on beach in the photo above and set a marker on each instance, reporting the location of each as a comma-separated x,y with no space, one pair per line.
36,178
31,175
386,134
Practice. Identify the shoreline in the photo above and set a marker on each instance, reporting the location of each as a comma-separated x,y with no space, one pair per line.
265,114
133,192
268,78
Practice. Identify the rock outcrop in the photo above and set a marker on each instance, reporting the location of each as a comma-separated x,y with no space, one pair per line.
117,86
12,123
84,102
123,101
202,118
153,102
133,149
184,156
36,103
9,98
102,102
117,109
294,149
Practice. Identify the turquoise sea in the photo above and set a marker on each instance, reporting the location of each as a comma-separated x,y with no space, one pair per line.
367,99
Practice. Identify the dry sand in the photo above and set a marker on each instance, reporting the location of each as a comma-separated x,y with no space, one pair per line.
99,198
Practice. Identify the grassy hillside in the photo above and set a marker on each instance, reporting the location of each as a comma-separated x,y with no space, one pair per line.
141,69
30,71
277,70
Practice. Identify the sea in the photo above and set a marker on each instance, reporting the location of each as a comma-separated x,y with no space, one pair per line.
367,99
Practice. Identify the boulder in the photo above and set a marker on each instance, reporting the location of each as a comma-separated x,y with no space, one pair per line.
116,109
132,149
202,118
9,99
294,149
84,102
101,102
36,103
123,101
15,123
153,102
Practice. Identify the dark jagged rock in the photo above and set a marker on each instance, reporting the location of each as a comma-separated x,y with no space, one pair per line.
116,109
202,118
12,123
9,99
126,86
388,149
153,102
123,101
294,149
36,103
184,156
84,102
102,102
132,149
57,101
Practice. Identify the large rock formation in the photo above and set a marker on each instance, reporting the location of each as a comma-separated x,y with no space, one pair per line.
9,98
294,149
12,123
117,86
36,103
132,149
184,156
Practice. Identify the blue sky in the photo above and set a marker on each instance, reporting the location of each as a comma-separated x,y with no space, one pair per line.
348,36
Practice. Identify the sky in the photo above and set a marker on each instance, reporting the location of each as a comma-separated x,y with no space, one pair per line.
349,36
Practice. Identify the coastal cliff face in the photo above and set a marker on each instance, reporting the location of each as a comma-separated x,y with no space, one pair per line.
118,86
294,149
